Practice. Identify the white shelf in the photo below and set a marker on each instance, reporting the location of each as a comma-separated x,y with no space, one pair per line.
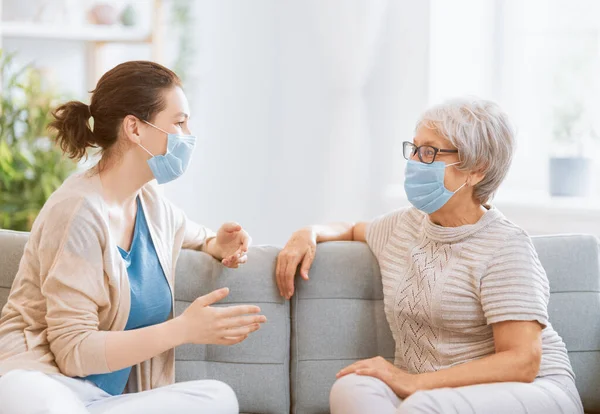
91,33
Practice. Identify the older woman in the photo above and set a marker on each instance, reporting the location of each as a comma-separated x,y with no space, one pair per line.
465,294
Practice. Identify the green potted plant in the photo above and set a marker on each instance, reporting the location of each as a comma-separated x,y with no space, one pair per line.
181,26
31,166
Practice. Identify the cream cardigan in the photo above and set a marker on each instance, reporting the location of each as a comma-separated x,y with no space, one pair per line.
72,286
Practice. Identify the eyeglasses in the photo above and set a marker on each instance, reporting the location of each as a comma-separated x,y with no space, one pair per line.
426,153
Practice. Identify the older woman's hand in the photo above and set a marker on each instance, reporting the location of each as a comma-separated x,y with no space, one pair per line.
401,382
301,248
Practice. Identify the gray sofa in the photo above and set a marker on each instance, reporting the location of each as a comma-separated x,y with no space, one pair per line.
337,318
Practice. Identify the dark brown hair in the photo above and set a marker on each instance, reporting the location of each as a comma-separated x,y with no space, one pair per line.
131,88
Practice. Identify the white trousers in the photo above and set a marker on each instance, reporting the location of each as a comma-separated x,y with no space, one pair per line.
354,394
32,392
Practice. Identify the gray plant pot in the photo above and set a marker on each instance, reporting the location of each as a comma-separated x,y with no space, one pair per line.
570,177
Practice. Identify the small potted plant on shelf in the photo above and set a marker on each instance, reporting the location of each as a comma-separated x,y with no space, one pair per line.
571,169
575,132
31,166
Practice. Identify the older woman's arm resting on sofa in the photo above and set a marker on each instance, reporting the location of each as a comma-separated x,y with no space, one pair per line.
302,246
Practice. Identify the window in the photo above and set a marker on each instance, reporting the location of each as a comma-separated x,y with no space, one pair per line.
540,59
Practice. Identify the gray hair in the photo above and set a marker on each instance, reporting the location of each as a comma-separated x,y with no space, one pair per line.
483,135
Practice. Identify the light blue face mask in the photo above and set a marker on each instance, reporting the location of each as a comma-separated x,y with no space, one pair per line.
173,164
424,185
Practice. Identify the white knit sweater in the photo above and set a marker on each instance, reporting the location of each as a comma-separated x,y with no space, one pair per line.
444,287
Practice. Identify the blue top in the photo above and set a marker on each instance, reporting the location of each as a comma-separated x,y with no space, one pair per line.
151,299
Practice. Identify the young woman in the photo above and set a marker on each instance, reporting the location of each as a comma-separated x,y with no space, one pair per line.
90,313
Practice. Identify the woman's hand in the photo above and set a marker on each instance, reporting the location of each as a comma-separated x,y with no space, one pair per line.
402,383
202,324
301,248
230,245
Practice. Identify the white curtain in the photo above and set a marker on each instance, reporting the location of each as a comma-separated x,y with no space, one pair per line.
349,34
292,100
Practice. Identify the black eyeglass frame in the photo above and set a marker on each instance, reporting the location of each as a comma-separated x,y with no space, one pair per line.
417,150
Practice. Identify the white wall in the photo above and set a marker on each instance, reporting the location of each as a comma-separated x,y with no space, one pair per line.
262,105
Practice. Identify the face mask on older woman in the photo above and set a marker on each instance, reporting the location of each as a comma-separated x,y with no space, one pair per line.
424,185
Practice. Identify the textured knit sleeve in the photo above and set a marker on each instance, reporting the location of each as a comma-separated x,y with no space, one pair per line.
380,229
515,286
73,283
195,234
